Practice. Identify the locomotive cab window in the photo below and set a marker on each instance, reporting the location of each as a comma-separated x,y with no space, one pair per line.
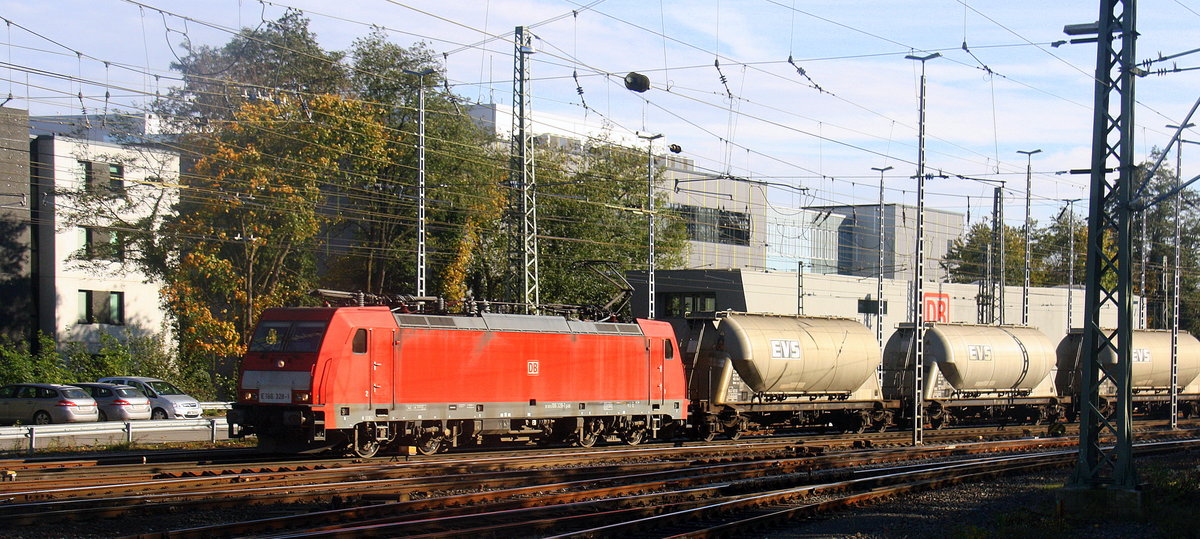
305,337
669,348
288,336
269,336
360,341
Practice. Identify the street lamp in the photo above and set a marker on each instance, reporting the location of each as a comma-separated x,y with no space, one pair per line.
650,217
420,179
1028,231
918,310
879,277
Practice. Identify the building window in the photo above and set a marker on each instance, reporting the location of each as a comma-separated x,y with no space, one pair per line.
103,244
678,304
101,177
116,178
101,307
713,225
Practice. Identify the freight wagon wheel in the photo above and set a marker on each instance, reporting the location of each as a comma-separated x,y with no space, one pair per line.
739,427
936,414
708,430
882,420
859,422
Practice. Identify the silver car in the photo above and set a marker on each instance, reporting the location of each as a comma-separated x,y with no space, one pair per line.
42,404
118,402
166,400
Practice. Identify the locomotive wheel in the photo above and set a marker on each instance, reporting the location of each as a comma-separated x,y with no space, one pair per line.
589,433
429,445
588,439
633,436
365,448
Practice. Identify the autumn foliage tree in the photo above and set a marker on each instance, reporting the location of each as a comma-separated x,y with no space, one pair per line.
250,216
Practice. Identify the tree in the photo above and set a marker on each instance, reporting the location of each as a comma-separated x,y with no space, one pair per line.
1159,221
130,220
1052,249
263,62
592,208
462,170
19,363
249,220
966,260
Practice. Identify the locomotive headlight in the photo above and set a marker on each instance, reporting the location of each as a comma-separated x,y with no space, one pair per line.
249,396
280,363
301,396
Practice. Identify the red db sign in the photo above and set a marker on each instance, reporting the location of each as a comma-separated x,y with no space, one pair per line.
937,307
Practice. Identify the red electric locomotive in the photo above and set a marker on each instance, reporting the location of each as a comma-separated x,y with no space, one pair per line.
365,378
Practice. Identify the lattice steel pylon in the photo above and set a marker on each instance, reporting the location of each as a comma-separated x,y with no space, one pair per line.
521,170
1109,260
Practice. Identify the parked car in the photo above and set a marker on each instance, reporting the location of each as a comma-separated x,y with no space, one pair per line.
166,401
42,404
118,402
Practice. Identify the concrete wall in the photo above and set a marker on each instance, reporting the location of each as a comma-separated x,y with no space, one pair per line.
16,261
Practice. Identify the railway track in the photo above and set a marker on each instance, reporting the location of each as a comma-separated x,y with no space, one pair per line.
547,491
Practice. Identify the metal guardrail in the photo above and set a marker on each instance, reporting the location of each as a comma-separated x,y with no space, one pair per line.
35,432
216,405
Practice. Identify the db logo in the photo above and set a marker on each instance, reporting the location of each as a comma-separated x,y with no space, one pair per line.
531,368
937,307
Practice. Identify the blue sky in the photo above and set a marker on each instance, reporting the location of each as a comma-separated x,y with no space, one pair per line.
765,121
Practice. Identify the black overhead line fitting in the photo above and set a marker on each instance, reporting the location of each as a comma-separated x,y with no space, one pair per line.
804,74
982,65
721,75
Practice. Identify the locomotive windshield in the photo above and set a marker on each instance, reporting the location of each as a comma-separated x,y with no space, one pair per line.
288,336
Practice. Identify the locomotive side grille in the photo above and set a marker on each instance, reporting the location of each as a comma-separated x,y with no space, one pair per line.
440,322
516,322
605,328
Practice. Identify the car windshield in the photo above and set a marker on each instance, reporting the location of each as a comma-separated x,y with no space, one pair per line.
130,392
74,394
164,388
287,336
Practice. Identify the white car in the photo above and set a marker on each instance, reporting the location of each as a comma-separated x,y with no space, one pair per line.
166,401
